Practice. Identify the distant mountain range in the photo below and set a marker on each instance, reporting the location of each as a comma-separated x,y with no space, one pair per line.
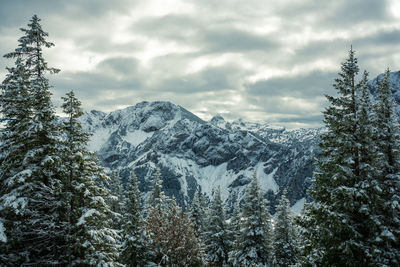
195,154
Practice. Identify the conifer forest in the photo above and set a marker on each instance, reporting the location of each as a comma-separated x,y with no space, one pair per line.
61,206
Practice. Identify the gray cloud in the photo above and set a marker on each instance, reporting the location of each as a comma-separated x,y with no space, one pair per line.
120,66
202,54
208,80
216,39
312,84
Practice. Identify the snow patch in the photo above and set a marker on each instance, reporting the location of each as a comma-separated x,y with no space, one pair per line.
87,214
298,207
266,181
3,237
137,137
153,123
99,138
214,176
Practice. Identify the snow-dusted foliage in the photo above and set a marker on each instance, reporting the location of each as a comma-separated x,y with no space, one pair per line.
217,236
29,157
172,237
90,240
347,217
253,242
197,213
285,241
115,199
387,183
135,243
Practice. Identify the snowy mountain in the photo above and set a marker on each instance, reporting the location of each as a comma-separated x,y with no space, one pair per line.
395,88
194,153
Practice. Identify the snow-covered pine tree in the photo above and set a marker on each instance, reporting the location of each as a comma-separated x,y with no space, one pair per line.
197,214
340,222
217,236
157,197
135,243
254,238
156,220
91,241
114,201
30,162
387,238
284,245
181,244
234,226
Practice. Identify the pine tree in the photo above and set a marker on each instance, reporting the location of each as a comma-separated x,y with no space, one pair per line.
181,244
157,196
217,236
254,238
197,214
156,220
234,226
341,221
387,184
285,245
90,239
115,199
30,161
134,251
173,240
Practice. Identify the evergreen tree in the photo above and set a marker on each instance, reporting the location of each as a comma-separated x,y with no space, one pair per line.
91,240
387,185
285,246
157,197
341,220
197,214
156,220
134,251
30,162
173,240
181,244
234,225
114,200
254,238
217,236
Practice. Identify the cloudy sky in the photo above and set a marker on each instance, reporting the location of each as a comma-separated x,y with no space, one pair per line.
261,60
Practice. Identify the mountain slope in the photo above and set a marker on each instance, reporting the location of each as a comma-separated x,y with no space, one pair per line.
193,153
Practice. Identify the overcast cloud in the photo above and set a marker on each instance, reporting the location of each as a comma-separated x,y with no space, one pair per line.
260,60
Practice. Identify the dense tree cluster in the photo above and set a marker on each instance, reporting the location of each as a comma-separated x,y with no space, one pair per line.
58,207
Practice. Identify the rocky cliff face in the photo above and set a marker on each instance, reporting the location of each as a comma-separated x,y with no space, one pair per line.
196,154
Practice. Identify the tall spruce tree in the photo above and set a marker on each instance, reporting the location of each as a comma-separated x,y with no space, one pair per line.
115,198
156,219
341,219
217,236
387,185
30,162
91,240
197,214
234,226
180,244
135,244
253,242
284,245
